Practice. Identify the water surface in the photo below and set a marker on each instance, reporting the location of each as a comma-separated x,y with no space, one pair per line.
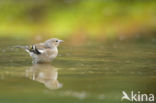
95,72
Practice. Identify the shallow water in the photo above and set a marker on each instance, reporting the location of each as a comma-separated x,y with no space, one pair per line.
95,72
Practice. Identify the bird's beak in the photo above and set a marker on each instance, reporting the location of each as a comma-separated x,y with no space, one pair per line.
61,41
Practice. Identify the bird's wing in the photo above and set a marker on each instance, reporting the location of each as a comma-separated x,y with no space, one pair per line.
37,48
40,47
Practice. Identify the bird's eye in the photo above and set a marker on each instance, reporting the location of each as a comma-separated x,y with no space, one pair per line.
56,40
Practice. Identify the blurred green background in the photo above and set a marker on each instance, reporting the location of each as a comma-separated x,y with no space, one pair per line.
77,19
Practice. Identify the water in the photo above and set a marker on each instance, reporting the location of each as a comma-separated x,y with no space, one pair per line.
95,72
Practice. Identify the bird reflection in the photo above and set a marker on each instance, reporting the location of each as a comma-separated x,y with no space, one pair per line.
44,73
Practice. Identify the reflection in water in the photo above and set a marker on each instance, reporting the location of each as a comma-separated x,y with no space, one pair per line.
44,73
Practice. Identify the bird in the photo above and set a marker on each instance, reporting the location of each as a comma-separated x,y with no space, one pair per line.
43,52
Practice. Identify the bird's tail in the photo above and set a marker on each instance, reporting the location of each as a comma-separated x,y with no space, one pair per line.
22,47
19,46
30,48
26,48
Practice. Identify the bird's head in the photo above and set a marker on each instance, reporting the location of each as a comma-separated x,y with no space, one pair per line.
53,42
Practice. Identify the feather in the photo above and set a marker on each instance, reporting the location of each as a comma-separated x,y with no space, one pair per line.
34,49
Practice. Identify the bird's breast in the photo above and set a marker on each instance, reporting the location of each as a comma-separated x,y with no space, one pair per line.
52,53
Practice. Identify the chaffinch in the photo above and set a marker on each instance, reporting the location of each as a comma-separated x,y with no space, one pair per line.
43,52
